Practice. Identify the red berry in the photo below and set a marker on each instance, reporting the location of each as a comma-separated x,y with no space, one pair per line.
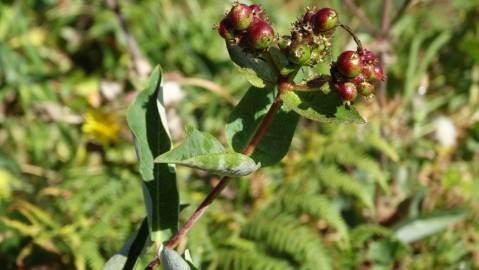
325,19
225,29
308,17
260,34
366,71
349,64
359,79
368,57
347,90
365,89
241,16
257,11
377,73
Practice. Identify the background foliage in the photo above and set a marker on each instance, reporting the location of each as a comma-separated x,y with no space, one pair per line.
400,192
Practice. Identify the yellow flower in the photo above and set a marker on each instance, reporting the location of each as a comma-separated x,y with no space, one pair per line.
6,180
101,126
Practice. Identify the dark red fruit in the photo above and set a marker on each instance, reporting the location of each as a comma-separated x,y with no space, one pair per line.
226,30
325,19
260,34
359,79
347,90
308,17
368,57
365,89
367,71
377,73
257,11
241,16
349,64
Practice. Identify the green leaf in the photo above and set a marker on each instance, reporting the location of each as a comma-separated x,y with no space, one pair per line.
246,118
257,71
421,227
128,255
189,260
201,150
147,120
170,260
321,107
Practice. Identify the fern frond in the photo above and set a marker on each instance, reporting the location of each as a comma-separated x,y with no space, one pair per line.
362,161
90,251
283,235
380,144
331,176
316,206
240,260
363,233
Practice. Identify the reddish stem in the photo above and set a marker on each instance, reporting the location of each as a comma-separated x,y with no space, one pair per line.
267,120
263,127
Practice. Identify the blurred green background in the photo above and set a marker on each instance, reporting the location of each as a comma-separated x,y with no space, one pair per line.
400,192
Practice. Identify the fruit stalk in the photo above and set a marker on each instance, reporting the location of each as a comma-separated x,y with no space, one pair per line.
356,39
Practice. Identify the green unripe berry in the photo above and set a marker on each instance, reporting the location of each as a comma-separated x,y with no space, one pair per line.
299,53
284,42
365,89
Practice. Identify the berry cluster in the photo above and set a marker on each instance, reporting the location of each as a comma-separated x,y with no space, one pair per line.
356,72
308,44
309,41
247,26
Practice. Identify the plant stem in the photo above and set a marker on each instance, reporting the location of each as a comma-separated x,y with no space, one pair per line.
386,17
265,123
263,127
356,39
140,64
